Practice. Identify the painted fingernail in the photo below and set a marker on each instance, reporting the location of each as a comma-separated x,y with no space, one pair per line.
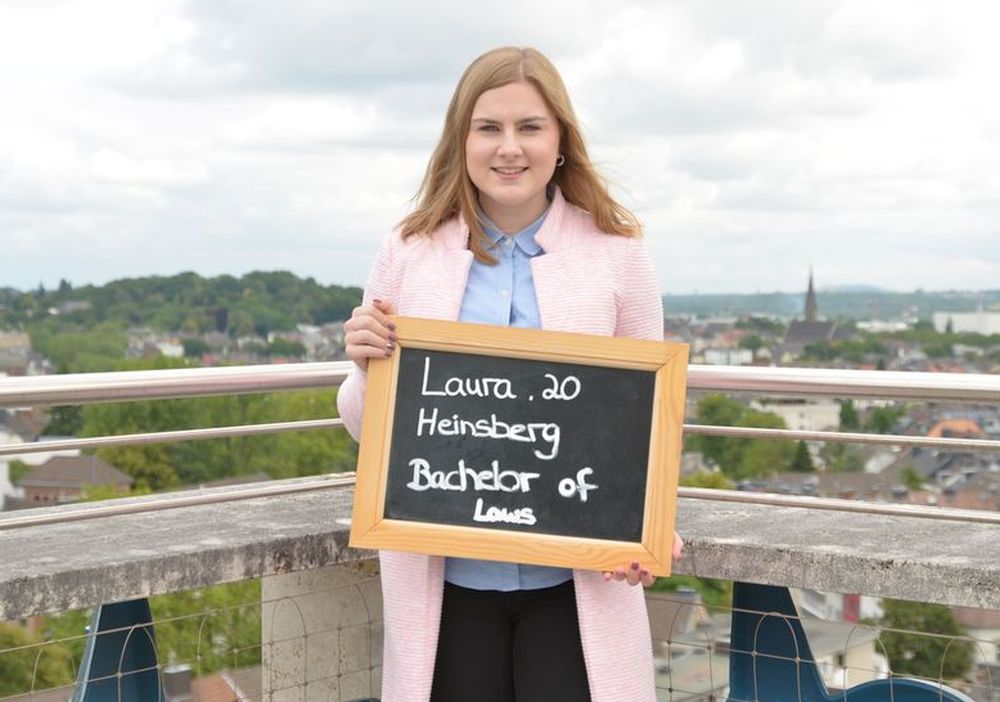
392,326
377,301
390,346
392,338
635,565
643,573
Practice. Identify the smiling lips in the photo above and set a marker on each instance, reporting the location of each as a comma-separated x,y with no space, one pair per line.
509,170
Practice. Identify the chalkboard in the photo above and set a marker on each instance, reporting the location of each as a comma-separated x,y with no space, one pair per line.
516,444
521,445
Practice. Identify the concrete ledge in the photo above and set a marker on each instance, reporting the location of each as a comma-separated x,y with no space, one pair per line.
54,568
926,560
59,567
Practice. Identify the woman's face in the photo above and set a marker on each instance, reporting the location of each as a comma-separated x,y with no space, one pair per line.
511,153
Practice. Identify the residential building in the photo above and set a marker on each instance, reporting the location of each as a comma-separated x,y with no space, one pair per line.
15,353
803,415
64,479
979,322
728,357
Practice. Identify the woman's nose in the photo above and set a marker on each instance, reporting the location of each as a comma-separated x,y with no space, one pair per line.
509,144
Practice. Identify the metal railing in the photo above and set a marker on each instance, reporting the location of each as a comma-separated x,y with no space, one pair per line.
279,645
675,647
87,388
81,388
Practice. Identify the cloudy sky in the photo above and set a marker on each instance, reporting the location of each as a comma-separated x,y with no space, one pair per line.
753,139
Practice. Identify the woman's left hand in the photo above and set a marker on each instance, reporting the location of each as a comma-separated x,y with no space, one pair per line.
635,573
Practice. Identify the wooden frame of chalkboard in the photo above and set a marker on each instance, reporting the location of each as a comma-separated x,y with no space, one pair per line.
521,445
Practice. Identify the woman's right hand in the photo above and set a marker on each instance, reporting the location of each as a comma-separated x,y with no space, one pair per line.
369,333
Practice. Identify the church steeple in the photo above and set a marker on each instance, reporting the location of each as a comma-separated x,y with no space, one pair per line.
812,312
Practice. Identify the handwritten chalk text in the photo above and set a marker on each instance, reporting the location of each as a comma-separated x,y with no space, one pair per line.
431,424
494,479
499,388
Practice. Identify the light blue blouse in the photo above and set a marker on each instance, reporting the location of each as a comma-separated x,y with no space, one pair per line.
504,295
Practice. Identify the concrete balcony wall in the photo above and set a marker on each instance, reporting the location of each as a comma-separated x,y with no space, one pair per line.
57,567
321,634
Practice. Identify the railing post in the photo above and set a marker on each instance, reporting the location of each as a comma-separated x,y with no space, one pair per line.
770,659
119,660
321,633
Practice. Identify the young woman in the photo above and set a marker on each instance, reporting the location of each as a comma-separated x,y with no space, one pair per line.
513,227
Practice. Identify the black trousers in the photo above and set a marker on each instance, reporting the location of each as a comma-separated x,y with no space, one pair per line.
521,646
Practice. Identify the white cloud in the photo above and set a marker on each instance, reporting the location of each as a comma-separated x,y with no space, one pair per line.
113,166
307,122
753,139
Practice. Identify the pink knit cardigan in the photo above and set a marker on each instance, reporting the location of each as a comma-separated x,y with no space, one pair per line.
586,281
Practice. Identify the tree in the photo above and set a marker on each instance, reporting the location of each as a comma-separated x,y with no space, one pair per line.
765,457
217,627
274,301
802,460
164,466
96,493
883,419
707,479
194,347
911,478
287,348
752,342
17,469
220,626
69,629
98,349
761,325
240,324
752,458
848,416
27,663
741,458
716,410
842,458
714,593
938,349
65,420
938,658
149,466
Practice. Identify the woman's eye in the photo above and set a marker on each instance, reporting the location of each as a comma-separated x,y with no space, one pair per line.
531,127
488,128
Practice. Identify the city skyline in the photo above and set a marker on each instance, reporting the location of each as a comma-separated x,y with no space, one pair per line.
753,142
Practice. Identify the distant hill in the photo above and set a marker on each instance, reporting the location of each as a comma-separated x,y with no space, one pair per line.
853,302
260,302
255,303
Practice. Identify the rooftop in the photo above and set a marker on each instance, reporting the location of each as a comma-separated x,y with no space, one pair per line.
74,472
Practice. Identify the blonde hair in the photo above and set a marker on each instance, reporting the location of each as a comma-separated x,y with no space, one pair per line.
447,190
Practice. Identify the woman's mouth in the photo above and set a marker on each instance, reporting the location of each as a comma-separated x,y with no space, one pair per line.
509,170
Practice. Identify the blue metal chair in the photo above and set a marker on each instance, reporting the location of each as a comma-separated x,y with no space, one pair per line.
770,659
